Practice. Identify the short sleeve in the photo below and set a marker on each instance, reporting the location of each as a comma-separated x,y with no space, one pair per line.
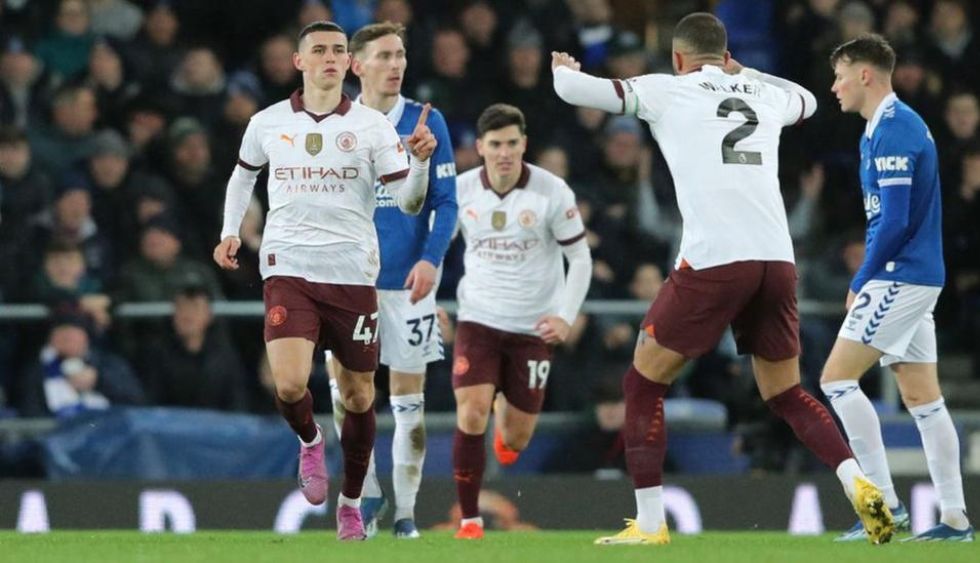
565,221
647,96
390,157
894,155
251,155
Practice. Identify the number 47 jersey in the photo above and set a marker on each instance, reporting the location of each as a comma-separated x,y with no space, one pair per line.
720,136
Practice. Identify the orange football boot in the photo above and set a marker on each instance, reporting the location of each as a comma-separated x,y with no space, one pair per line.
505,455
470,531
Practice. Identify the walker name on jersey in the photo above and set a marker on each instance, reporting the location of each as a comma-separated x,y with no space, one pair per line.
503,249
303,179
892,163
872,205
747,89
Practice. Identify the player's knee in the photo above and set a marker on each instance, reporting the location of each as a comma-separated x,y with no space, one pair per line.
472,419
290,391
358,400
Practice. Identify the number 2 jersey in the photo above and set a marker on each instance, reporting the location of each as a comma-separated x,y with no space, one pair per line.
720,136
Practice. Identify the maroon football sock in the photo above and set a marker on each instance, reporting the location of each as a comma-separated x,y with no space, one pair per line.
299,415
812,424
357,441
644,431
469,460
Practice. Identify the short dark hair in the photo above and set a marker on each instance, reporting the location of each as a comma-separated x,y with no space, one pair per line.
62,246
868,48
10,135
318,26
193,290
374,31
702,32
499,116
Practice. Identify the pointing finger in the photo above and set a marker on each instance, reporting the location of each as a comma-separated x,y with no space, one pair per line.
423,116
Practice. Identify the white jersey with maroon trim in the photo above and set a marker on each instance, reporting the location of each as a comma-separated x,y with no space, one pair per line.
514,269
322,171
720,136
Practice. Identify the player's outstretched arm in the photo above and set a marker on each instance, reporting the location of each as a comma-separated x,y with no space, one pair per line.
581,89
807,97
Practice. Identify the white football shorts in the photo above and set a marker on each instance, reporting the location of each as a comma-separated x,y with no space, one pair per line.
896,319
409,334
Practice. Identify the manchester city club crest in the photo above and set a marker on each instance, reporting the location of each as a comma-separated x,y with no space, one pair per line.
498,220
314,143
346,141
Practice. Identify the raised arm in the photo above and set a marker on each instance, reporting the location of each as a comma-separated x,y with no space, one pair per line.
581,89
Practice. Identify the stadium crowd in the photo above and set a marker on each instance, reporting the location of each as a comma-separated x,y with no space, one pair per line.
120,122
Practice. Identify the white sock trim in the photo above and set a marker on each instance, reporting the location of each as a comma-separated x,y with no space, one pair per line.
316,441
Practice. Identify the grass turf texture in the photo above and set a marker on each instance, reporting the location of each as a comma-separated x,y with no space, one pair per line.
436,547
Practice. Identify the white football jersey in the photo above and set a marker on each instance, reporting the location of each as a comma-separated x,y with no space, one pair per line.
720,136
322,171
514,269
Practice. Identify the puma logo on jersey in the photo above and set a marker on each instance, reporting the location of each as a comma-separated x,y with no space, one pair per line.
892,163
288,139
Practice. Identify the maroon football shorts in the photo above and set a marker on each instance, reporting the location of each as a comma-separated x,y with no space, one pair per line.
341,318
516,364
757,298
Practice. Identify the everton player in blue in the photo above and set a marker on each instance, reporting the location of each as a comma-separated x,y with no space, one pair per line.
892,296
412,248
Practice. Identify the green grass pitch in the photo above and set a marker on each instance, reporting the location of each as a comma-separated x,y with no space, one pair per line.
438,547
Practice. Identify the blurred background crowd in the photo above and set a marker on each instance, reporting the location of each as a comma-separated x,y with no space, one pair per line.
120,122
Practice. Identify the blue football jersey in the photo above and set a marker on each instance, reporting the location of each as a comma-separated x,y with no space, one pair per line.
902,199
406,239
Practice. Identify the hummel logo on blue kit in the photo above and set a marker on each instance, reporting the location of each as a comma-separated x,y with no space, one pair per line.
883,307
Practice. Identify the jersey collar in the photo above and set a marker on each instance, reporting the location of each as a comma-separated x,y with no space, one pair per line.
869,128
296,102
521,181
394,115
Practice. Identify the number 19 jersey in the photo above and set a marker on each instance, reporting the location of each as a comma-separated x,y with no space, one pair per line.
720,136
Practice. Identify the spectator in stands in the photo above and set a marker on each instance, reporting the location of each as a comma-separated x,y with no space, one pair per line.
915,84
198,186
21,84
71,377
112,179
954,47
479,22
160,270
901,24
199,84
962,251
66,141
277,74
115,18
107,77
26,188
145,128
194,364
452,85
63,278
594,28
65,50
627,56
155,54
243,100
598,446
70,220
314,11
523,86
961,121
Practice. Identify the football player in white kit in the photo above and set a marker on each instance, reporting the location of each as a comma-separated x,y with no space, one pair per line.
515,299
718,126
319,255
